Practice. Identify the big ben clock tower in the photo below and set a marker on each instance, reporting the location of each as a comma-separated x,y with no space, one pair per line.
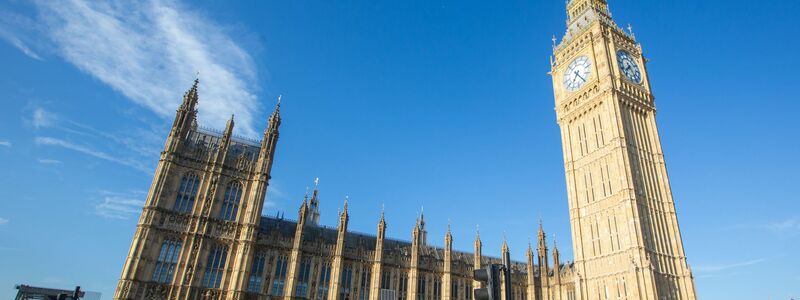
626,240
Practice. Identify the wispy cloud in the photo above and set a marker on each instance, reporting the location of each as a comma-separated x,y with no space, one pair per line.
5,143
135,147
120,206
47,161
148,50
42,118
14,28
788,225
51,141
711,268
3,221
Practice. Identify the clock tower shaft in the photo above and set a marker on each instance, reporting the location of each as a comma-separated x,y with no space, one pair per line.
626,239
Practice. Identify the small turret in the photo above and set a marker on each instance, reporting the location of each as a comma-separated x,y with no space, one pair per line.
556,263
313,205
422,231
344,217
185,119
269,141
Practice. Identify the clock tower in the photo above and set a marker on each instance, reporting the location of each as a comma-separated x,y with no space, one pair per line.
626,239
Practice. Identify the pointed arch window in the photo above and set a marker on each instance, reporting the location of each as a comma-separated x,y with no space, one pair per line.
230,204
254,285
167,259
187,192
215,266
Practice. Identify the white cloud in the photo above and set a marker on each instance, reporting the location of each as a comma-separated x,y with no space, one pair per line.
50,141
150,51
17,43
47,161
42,118
119,206
11,23
3,221
5,143
786,225
722,267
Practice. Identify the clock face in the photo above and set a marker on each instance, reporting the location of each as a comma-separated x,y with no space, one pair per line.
577,73
629,67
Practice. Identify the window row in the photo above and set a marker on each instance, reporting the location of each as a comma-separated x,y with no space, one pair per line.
187,194
168,259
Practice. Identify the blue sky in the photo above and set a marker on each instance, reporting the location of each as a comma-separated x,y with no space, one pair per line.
441,104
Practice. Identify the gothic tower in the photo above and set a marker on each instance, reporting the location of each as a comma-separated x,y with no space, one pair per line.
626,240
199,225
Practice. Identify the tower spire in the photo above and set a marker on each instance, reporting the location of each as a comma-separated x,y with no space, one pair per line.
313,204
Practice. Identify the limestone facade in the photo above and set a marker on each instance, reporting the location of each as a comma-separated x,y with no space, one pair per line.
626,240
201,234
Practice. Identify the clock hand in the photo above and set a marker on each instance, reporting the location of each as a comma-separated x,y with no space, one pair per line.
579,76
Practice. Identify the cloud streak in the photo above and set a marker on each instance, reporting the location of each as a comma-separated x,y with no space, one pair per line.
5,143
149,51
50,141
116,206
47,161
791,225
3,221
723,267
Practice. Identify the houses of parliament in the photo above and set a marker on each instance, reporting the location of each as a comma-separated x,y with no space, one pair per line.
201,234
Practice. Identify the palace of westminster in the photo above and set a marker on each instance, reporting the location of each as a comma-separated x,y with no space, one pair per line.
201,234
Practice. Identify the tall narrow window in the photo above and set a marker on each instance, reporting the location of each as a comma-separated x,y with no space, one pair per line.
302,280
167,259
421,288
454,290
256,272
187,193
215,267
280,276
346,282
366,275
324,281
437,289
402,287
468,291
385,279
230,204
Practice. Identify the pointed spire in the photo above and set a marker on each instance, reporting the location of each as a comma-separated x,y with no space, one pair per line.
229,126
530,247
190,97
555,246
505,244
274,120
343,216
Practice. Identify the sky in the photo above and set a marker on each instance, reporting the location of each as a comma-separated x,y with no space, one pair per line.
441,105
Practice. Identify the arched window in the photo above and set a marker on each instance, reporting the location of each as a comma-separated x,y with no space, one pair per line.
167,259
230,205
187,192
215,266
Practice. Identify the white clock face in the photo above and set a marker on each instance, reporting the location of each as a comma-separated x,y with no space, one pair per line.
577,73
629,67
